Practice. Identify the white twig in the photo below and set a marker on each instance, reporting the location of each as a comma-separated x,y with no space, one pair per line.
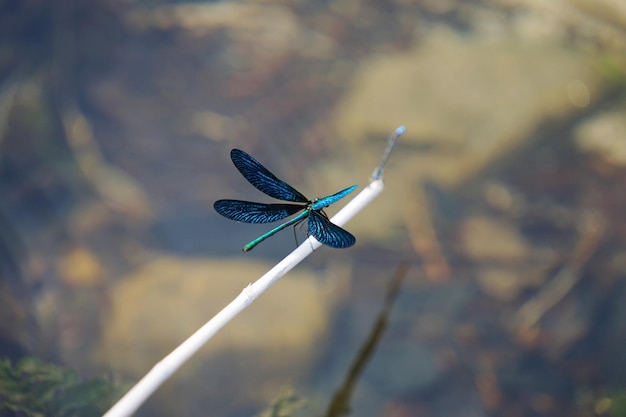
130,402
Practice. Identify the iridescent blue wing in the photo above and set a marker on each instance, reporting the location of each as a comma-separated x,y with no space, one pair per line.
328,233
263,179
249,212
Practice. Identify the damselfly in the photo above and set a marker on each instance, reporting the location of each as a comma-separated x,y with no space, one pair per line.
250,212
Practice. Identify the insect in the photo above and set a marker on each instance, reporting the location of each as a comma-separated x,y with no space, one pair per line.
250,212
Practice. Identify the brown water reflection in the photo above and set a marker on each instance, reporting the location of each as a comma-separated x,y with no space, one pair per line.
116,119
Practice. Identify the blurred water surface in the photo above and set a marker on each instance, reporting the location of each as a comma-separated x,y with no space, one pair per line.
505,195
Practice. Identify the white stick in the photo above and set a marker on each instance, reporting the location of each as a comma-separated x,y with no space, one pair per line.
137,395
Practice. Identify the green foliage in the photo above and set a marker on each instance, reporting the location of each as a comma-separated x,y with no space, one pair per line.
618,407
34,388
612,70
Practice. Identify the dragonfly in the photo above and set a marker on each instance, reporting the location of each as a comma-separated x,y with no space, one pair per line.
262,179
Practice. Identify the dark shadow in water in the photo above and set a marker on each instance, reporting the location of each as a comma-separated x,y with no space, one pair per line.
340,404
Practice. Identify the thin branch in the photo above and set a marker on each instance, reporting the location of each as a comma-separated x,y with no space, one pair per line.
138,394
340,404
593,229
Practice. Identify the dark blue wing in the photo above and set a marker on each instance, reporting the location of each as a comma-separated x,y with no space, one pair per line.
263,179
249,212
328,233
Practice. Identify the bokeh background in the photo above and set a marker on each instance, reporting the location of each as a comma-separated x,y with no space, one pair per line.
506,196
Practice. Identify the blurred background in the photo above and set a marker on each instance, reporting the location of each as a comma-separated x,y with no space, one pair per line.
506,196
